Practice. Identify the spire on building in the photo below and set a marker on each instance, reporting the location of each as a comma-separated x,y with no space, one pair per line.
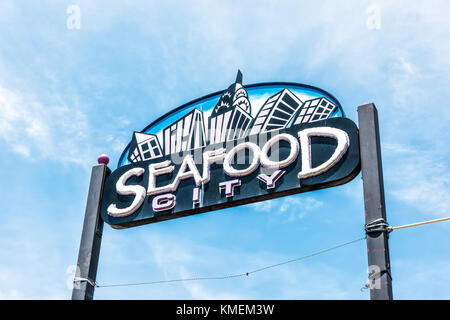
239,77
231,117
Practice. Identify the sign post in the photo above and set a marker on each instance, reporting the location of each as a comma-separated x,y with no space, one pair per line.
91,237
374,204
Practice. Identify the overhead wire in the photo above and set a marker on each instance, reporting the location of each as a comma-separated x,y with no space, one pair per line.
390,229
238,275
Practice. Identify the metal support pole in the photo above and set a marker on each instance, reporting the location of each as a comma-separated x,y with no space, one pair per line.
91,237
374,204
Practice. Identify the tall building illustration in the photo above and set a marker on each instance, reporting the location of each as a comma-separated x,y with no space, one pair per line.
277,112
144,147
315,110
185,134
231,117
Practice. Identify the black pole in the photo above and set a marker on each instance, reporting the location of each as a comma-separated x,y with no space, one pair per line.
91,237
380,281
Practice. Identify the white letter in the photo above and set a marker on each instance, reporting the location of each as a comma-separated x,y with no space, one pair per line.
342,146
122,189
210,157
270,181
294,145
230,171
196,195
158,169
229,187
162,168
188,163
163,202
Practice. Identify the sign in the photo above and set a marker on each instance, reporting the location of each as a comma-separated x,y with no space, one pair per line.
239,146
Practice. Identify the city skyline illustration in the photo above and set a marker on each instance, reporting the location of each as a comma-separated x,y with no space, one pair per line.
230,119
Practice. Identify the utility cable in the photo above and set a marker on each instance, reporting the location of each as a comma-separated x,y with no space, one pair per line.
232,275
390,229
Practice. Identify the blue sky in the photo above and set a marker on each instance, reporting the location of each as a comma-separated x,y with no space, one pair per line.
68,95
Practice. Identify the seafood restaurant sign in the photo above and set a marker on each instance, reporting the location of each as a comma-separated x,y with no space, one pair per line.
242,145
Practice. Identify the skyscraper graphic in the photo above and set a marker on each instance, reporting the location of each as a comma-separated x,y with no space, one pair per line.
231,117
315,110
277,112
144,147
229,120
185,134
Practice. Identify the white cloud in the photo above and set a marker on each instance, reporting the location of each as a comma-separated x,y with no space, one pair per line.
32,266
420,179
117,144
432,277
34,130
290,208
21,149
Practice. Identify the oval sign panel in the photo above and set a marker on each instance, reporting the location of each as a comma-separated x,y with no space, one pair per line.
242,145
